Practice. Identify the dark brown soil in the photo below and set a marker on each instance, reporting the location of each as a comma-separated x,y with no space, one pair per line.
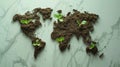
38,48
74,24
70,27
46,13
93,51
29,29
59,11
101,55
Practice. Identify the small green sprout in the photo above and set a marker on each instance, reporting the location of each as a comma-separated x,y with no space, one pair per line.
61,20
81,23
59,16
92,46
25,21
60,39
36,43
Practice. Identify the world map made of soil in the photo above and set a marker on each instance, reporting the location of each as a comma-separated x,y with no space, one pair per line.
74,23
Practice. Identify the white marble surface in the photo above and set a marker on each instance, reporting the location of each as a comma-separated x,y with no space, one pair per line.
16,49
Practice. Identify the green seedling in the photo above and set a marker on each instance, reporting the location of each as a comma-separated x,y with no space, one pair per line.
36,43
60,39
61,20
92,46
59,16
25,21
81,23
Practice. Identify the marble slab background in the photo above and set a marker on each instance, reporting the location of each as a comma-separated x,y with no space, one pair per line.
16,49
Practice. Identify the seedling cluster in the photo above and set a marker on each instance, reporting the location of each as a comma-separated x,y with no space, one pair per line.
26,21
60,39
59,17
36,43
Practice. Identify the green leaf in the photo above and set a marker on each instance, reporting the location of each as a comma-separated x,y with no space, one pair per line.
60,20
92,46
36,43
25,21
59,16
60,39
83,22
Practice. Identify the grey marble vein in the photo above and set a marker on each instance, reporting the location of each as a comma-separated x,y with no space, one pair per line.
20,60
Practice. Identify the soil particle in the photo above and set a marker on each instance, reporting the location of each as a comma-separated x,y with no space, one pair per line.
93,51
59,11
101,55
68,14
